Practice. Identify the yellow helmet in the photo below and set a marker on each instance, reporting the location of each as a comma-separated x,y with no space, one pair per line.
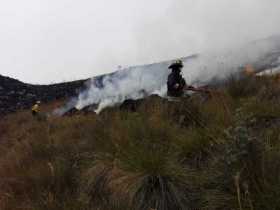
176,64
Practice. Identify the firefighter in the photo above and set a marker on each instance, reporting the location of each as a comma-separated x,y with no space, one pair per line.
36,108
176,84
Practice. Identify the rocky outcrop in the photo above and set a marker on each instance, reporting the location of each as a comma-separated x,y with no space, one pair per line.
16,95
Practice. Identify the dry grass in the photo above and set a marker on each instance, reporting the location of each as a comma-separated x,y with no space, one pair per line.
164,156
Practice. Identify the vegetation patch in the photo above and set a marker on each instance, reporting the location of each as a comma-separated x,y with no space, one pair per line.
216,151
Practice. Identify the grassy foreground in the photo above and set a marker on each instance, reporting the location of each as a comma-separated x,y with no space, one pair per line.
216,153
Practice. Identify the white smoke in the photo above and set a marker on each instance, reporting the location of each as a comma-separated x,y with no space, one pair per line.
60,111
142,81
130,83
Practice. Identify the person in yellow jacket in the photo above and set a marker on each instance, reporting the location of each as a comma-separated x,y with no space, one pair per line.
36,108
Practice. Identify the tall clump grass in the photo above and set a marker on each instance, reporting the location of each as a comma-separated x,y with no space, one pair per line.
214,151
244,175
139,163
38,166
116,160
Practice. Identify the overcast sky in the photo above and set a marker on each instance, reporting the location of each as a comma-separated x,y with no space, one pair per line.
44,41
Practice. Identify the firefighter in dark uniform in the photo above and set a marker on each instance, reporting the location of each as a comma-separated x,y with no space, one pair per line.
176,84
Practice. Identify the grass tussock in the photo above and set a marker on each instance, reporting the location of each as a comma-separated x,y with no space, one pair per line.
219,151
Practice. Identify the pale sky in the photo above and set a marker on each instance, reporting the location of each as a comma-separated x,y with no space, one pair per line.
45,41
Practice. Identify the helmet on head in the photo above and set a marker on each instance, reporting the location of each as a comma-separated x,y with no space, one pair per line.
178,64
38,102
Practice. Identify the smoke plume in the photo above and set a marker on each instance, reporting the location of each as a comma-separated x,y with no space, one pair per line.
141,81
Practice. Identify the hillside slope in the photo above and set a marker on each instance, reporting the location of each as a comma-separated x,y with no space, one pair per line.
16,95
218,151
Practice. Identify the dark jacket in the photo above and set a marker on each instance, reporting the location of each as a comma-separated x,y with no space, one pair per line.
173,79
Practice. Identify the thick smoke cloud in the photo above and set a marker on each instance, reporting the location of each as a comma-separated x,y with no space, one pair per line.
45,41
131,83
141,81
